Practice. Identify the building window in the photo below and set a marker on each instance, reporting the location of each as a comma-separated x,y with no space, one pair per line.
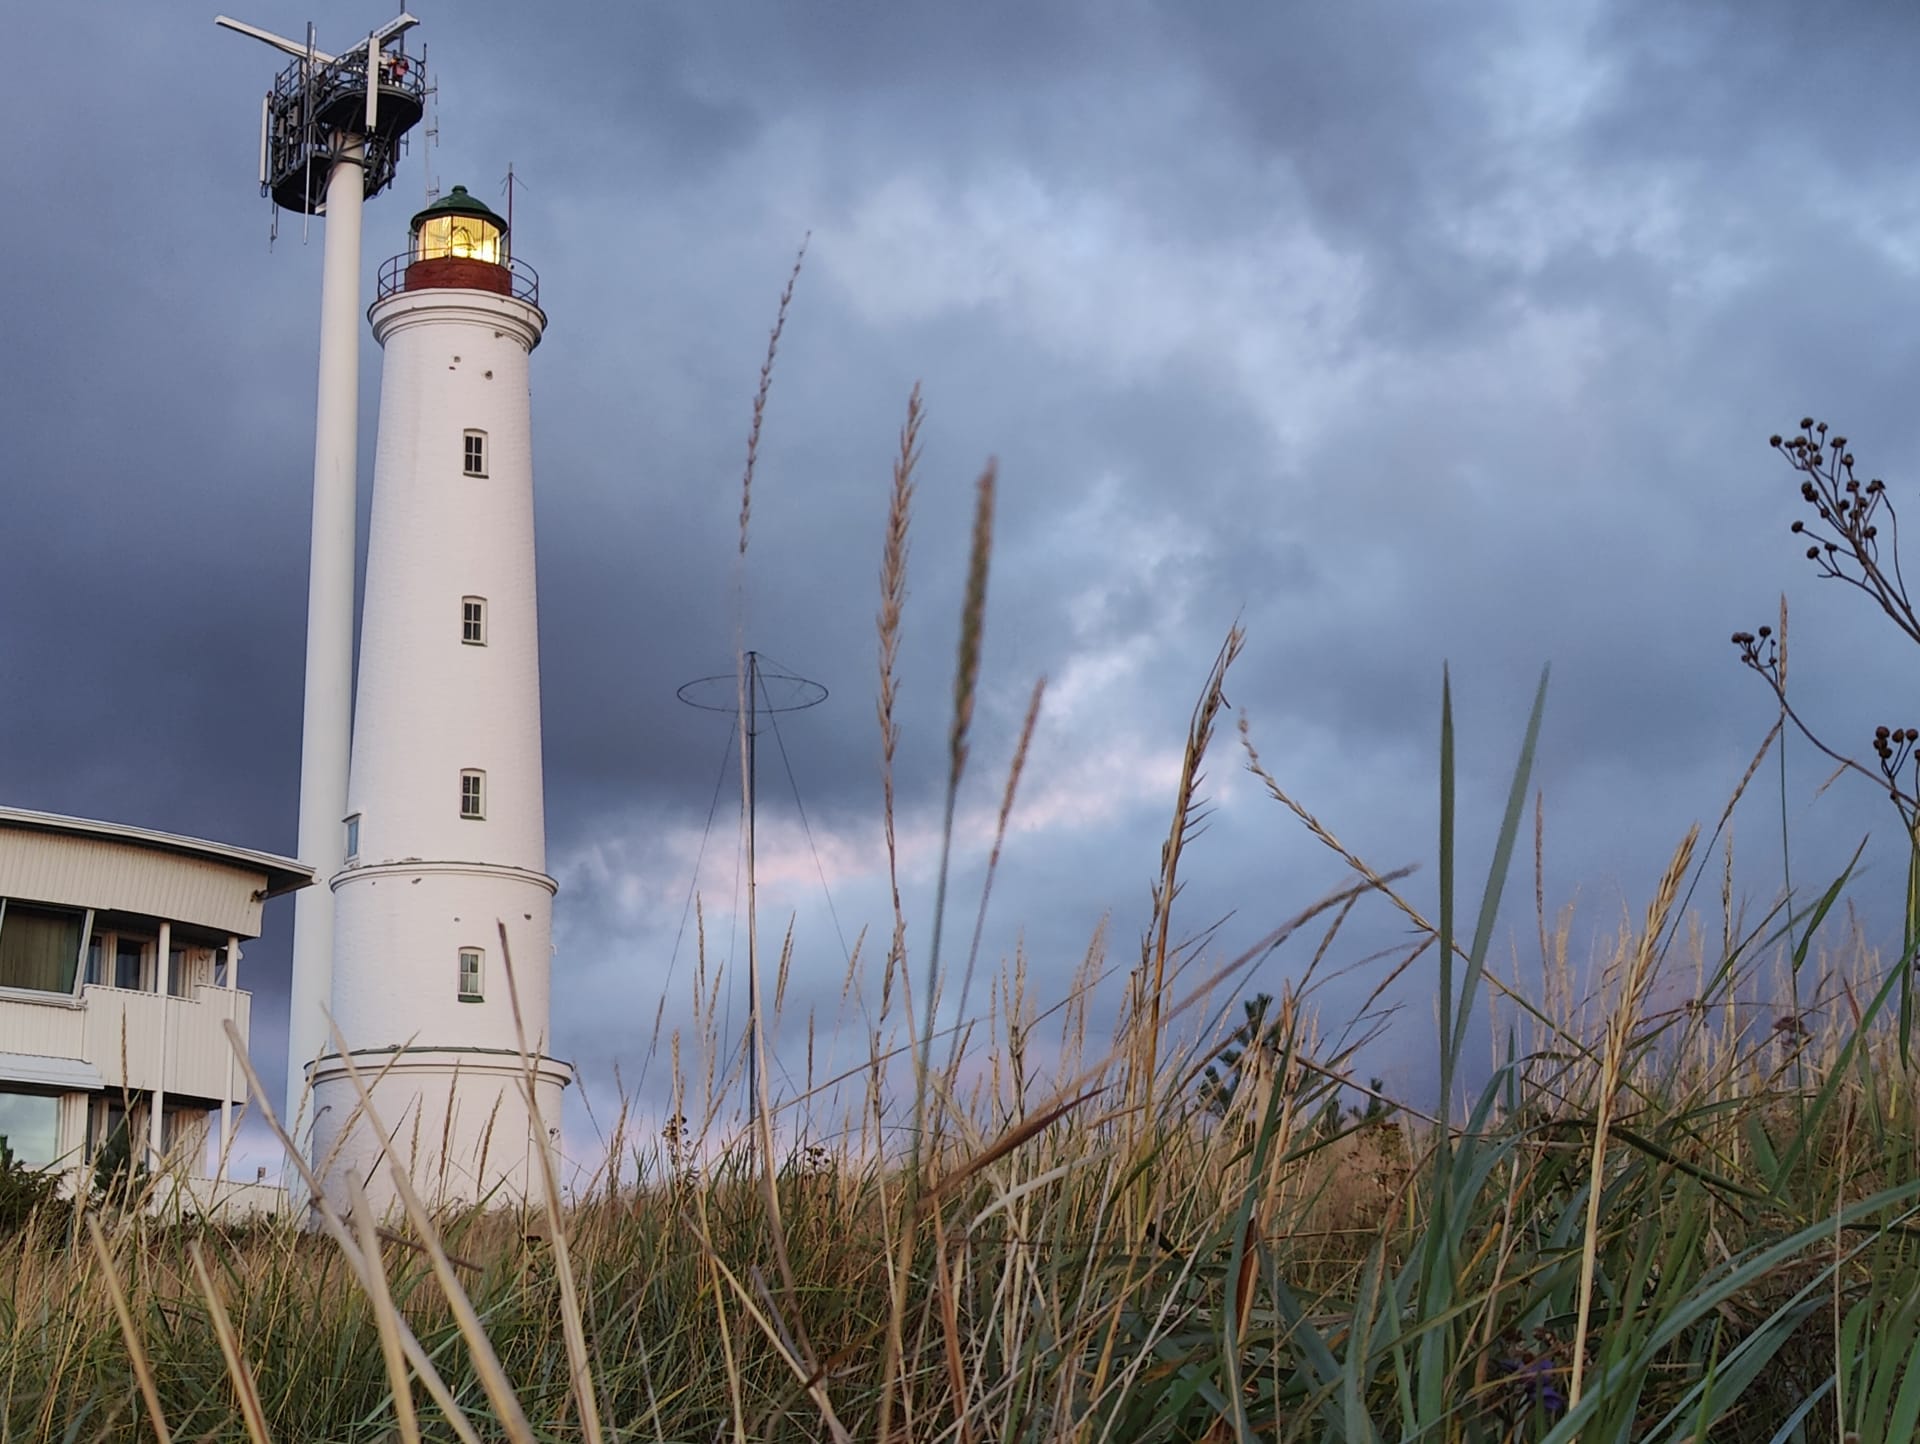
183,969
476,454
131,959
120,960
473,621
107,1129
180,1130
473,794
471,961
40,947
29,1128
353,837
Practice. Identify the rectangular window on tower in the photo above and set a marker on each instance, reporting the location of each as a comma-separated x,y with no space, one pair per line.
473,794
353,837
473,621
476,453
471,960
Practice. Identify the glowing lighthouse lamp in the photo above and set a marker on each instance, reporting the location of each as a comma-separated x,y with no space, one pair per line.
445,835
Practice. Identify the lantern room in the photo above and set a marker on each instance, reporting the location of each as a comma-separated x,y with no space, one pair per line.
458,242
459,226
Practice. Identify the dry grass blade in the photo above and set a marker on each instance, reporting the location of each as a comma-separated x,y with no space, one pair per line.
242,1376
1014,772
806,1374
973,623
1006,1143
943,1285
486,1363
966,680
382,1234
1620,1029
893,596
1432,934
578,1365
1319,830
363,1267
386,1320
1207,988
760,396
1154,970
730,1366
136,1352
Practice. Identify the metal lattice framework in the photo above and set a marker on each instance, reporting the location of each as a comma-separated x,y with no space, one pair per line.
314,108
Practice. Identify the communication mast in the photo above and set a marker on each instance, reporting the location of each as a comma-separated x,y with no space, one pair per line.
331,128
756,691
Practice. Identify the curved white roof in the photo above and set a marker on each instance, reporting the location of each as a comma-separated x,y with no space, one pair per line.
283,874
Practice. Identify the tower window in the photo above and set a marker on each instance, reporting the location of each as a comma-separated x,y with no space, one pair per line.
473,621
471,962
473,793
476,454
353,837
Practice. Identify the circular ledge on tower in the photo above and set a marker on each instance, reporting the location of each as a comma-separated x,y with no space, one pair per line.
400,1058
413,867
440,305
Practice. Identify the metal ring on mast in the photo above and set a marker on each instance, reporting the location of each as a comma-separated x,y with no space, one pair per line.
778,691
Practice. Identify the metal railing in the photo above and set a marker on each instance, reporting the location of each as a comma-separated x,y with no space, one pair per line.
523,284
309,100
343,78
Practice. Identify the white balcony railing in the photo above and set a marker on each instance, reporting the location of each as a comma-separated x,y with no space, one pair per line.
145,1040
136,1040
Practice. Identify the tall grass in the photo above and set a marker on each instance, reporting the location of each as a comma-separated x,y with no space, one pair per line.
1655,1210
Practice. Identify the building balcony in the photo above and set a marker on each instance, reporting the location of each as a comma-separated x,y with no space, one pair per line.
137,1041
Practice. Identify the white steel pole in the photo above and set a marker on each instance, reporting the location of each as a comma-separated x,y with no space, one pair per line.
327,721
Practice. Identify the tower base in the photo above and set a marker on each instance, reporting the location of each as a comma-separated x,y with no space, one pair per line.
457,1119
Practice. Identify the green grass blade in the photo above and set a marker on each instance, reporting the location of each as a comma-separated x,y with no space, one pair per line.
1448,1055
1497,873
1433,1352
1823,907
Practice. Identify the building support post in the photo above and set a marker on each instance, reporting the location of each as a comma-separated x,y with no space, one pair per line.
157,1104
226,1094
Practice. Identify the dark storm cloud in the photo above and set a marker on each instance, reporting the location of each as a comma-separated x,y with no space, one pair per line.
1404,333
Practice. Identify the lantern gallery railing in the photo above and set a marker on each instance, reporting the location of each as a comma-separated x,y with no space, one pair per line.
451,268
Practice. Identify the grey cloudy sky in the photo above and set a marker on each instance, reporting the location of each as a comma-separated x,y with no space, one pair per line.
1403,333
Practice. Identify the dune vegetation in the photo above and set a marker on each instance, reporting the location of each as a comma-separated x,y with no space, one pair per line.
1669,1192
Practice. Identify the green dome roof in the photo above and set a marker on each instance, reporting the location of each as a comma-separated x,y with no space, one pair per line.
457,202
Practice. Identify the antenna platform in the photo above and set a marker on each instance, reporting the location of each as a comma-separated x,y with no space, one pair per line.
321,105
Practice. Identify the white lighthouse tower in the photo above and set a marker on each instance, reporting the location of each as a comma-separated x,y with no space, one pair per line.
445,833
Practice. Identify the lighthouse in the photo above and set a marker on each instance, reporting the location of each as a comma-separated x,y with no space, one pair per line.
444,877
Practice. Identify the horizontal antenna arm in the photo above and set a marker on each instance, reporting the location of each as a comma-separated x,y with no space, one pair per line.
279,42
399,25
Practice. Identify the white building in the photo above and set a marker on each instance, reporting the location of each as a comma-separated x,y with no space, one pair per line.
119,966
445,838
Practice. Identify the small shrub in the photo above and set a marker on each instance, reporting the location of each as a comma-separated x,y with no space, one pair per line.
23,1189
